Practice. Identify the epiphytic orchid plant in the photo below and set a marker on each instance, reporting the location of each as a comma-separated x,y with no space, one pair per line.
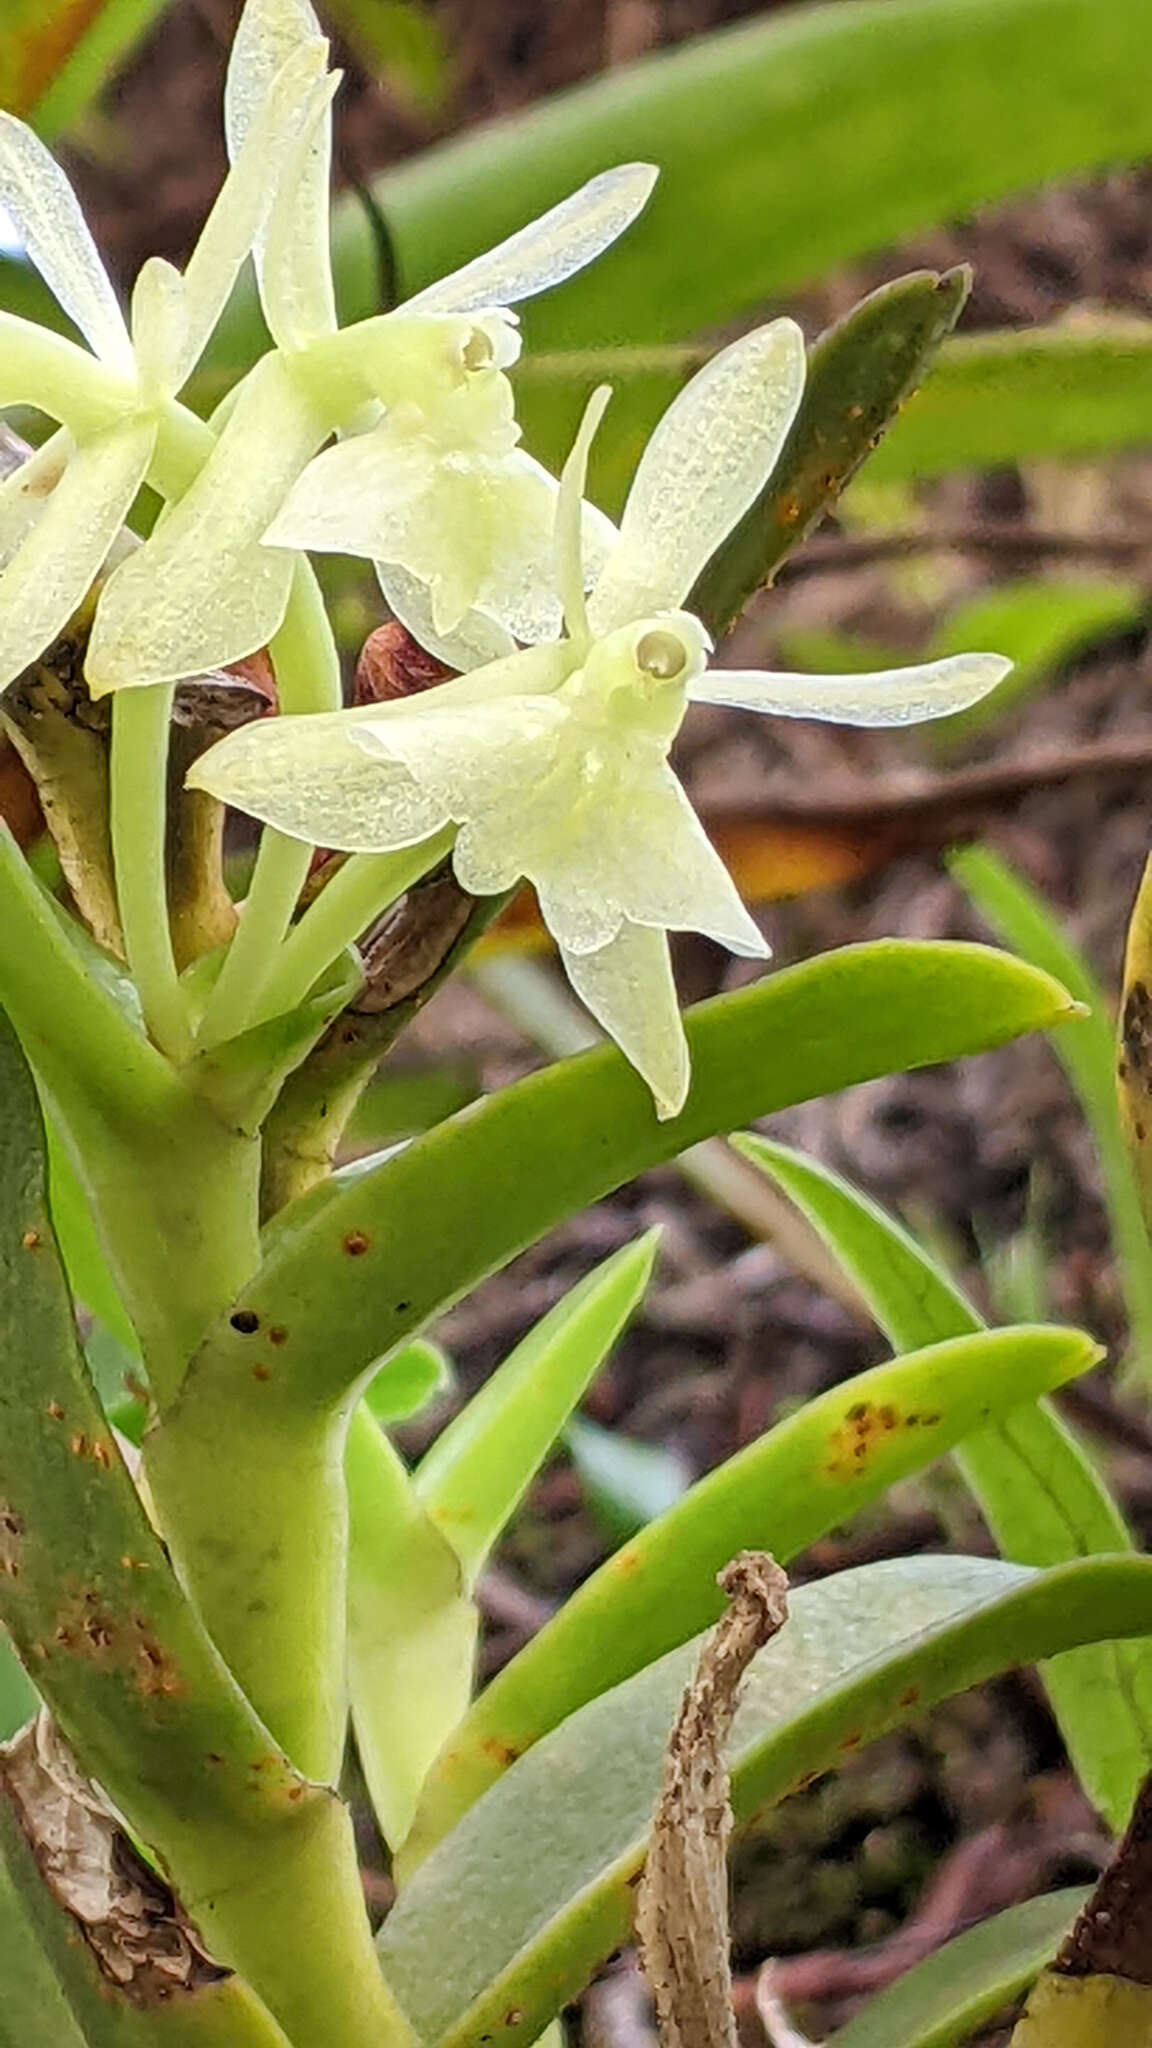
213,1560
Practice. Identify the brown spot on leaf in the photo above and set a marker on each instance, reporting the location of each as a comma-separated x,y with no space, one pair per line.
261,1372
31,1240
503,1753
357,1243
277,1335
1136,1033
245,1322
55,1411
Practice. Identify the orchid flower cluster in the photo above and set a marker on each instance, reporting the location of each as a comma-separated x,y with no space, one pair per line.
546,758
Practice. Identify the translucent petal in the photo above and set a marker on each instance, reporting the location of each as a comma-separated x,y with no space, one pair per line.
24,493
891,696
203,591
709,457
476,530
272,168
47,217
605,835
473,760
476,639
629,989
332,780
292,258
268,33
60,555
160,331
549,249
295,263
309,778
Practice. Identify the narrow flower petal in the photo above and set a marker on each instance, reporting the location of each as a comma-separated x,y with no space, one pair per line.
890,696
203,591
711,454
309,778
270,175
59,557
549,249
628,988
46,215
475,641
292,254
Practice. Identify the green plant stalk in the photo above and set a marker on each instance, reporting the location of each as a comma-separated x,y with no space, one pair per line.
361,891
307,669
172,1189
263,1860
376,1260
139,805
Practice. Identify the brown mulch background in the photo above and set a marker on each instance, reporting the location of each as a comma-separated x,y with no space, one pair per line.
973,1808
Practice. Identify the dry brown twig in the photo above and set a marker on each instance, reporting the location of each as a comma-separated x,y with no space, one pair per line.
682,1906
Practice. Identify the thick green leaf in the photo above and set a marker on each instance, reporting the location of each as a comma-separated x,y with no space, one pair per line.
56,56
536,1881
403,1242
808,1474
418,1546
859,374
1040,1493
968,1981
1087,1052
478,1470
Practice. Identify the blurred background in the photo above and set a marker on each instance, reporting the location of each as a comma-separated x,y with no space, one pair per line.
863,138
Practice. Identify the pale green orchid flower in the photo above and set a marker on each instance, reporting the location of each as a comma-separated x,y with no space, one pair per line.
434,483
553,762
61,512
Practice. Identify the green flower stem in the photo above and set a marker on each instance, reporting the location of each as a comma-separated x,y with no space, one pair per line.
366,886
173,1190
139,786
308,679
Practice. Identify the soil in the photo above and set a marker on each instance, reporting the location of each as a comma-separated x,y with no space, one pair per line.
973,1807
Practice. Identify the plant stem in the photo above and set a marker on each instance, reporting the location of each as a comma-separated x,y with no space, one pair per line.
308,679
173,1191
366,886
139,808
